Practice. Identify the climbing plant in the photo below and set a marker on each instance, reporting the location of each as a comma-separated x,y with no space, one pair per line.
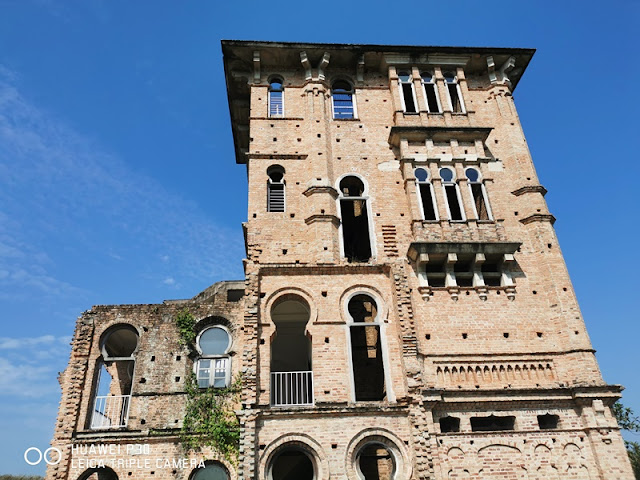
209,419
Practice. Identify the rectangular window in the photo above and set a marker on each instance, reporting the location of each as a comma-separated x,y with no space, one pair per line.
456,103
479,201
276,104
407,95
433,106
275,200
426,196
492,423
453,202
213,372
343,105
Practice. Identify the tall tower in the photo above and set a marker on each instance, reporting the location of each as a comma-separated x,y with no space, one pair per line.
408,310
406,313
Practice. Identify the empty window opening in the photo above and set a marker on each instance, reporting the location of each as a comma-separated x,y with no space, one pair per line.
291,374
479,194
492,423
376,462
275,189
276,98
451,194
449,424
434,271
355,220
426,195
455,96
101,473
431,93
120,343
407,92
211,471
235,295
548,421
462,270
342,95
292,464
492,270
213,369
366,349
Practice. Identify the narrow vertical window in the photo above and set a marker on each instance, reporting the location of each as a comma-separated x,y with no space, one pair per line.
426,195
356,241
342,96
275,189
407,93
276,98
452,195
478,194
455,94
366,349
430,93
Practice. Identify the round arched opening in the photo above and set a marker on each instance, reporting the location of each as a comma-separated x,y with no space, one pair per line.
120,342
211,471
292,464
374,461
104,473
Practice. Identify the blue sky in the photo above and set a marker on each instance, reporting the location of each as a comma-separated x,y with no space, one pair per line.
118,182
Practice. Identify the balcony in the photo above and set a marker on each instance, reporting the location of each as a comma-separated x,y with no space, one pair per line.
291,388
110,411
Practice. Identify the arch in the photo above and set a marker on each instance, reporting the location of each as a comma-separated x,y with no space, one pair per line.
295,442
368,441
430,92
276,194
356,224
276,96
102,473
407,92
456,103
478,193
343,103
212,471
213,345
426,194
119,342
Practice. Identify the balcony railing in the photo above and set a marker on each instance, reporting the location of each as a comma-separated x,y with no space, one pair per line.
291,388
111,411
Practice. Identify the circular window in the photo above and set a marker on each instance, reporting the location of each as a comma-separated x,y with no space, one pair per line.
292,464
446,174
472,174
376,462
211,471
421,174
214,341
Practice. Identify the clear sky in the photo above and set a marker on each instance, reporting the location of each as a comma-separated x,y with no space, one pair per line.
118,182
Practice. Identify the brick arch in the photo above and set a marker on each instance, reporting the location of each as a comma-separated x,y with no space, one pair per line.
104,473
404,464
300,441
114,325
357,289
290,293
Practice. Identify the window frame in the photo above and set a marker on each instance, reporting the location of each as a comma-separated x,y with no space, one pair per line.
433,85
433,194
270,170
280,80
352,92
453,182
485,196
413,92
368,206
213,358
456,82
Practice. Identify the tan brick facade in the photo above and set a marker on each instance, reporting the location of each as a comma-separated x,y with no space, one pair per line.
445,344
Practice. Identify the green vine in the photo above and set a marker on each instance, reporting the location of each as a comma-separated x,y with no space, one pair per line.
210,418
186,323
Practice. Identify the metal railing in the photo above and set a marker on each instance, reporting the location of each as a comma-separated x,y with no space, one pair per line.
110,411
291,388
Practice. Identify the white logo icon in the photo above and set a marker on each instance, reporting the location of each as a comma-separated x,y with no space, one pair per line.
41,456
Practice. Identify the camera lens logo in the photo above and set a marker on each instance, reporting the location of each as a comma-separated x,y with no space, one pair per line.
33,453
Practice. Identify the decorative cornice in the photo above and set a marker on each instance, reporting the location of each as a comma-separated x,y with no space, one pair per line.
322,218
539,217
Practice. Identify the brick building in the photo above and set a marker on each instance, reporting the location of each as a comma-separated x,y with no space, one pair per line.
406,311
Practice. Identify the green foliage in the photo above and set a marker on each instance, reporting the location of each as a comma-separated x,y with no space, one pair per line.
186,323
627,420
210,418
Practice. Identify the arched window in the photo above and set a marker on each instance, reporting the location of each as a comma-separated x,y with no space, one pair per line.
211,471
276,97
374,461
292,463
343,100
114,378
455,94
426,195
430,90
213,369
478,191
366,349
356,240
275,189
452,195
407,93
